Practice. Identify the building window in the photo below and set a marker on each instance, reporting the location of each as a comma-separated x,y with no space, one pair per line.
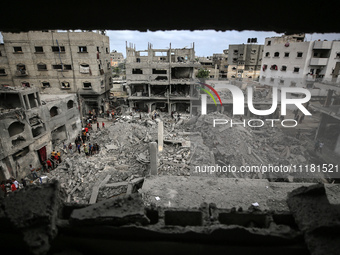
253,51
273,67
267,54
17,49
296,69
299,55
65,85
276,54
46,84
21,70
42,67
57,67
137,71
82,49
87,85
284,68
286,54
264,67
235,52
3,72
282,82
39,49
102,84
0,54
54,111
98,49
272,79
108,66
57,49
336,56
269,43
107,50
67,67
234,68
292,84
70,104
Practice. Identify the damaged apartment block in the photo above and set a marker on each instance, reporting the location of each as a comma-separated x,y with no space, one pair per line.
161,79
31,125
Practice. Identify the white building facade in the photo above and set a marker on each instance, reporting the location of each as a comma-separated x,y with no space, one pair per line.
292,61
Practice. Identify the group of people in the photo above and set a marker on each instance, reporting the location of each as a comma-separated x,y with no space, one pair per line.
11,185
90,149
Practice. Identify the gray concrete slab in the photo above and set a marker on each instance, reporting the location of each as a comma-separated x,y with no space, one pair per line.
180,191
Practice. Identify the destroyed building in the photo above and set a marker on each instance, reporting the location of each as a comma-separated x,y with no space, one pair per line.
59,62
31,125
161,79
244,61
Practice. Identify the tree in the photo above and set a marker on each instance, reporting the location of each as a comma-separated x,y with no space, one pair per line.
202,73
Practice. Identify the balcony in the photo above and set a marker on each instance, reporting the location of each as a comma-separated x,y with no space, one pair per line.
322,45
21,73
318,61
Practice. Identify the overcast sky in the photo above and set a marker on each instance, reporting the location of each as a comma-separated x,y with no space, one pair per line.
206,42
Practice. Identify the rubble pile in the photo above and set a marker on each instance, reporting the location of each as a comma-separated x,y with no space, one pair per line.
123,156
242,146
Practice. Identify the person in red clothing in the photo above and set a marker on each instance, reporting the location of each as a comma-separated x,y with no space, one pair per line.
86,129
13,188
49,165
103,125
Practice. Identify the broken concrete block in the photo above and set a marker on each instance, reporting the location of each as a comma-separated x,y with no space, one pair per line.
113,212
32,214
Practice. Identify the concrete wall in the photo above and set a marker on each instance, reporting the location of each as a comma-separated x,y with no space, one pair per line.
25,130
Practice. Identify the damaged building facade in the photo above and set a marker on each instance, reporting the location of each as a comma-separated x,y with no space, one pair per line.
58,62
31,126
244,61
292,61
161,79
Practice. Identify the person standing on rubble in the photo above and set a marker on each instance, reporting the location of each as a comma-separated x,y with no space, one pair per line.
70,148
49,165
98,126
33,171
78,147
86,150
103,125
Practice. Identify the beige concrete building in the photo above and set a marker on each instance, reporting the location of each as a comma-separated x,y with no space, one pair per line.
244,61
32,125
58,62
161,79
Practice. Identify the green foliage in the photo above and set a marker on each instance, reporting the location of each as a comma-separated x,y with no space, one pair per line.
202,73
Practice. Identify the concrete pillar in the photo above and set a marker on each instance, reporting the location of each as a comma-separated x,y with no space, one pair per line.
160,136
27,102
337,146
153,158
203,104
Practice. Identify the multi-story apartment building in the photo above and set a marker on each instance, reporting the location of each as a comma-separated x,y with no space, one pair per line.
221,62
207,64
161,79
31,126
292,61
116,58
244,61
57,62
